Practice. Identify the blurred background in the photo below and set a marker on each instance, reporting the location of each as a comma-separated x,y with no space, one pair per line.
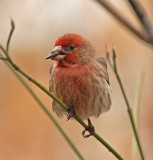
26,133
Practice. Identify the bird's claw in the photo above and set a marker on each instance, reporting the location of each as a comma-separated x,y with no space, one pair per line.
71,112
90,129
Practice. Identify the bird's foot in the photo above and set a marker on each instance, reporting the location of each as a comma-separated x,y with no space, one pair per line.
90,129
71,112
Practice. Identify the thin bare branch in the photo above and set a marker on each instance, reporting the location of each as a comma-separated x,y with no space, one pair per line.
2,58
127,103
142,16
10,35
3,50
114,12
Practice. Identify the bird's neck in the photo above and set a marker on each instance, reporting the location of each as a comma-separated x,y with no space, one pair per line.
66,64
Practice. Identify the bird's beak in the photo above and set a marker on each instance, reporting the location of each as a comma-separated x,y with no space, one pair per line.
56,54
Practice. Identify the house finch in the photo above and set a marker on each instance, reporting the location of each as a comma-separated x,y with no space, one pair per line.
79,78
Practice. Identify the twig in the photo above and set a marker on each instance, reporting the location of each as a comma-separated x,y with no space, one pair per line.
113,66
2,49
142,16
114,12
17,68
2,58
10,35
46,111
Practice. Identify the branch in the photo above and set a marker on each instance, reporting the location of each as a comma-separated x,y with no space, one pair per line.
45,110
114,12
17,68
114,67
10,35
2,58
142,16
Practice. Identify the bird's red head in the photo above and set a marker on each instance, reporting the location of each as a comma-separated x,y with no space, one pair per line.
70,39
71,48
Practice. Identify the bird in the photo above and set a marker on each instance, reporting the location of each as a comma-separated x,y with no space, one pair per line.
79,78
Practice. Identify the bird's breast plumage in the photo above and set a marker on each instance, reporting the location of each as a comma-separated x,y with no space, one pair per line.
82,88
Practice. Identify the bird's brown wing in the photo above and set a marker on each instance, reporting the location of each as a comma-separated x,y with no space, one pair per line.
102,61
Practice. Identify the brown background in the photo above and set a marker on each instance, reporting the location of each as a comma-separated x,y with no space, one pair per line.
26,133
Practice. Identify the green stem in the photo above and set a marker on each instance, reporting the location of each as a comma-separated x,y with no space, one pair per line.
114,68
100,139
130,115
46,111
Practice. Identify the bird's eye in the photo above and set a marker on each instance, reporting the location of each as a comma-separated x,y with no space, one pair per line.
72,47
